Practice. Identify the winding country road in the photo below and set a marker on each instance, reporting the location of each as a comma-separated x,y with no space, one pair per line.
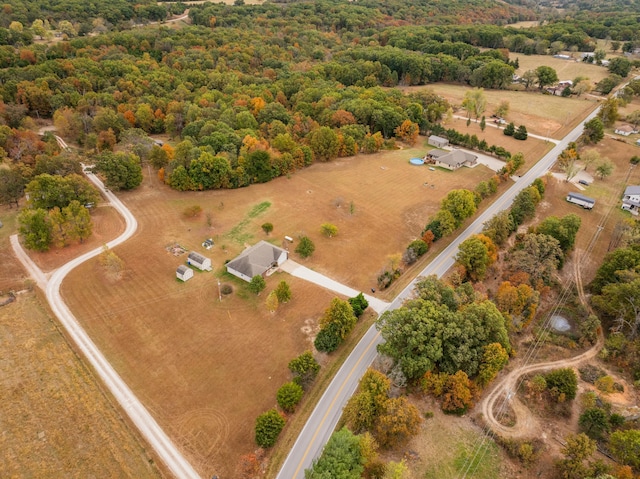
326,415
136,411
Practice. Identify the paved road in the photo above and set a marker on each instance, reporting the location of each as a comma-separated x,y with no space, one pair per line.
325,416
147,425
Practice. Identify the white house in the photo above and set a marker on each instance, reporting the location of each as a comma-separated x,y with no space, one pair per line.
201,262
631,199
260,259
438,141
184,273
625,130
452,160
584,201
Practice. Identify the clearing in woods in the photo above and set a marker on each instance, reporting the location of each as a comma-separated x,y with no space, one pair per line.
545,115
56,420
206,369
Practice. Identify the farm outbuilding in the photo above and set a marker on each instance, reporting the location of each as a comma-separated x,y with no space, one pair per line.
584,201
184,273
201,262
438,141
260,259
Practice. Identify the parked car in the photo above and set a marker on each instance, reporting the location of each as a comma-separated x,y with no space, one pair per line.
500,121
583,182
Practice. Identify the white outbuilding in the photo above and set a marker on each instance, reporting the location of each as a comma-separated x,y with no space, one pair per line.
201,262
184,273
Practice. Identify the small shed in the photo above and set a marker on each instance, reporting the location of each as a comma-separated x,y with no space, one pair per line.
201,262
184,273
438,141
582,200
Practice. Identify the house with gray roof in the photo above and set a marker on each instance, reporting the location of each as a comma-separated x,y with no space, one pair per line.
260,259
452,160
631,199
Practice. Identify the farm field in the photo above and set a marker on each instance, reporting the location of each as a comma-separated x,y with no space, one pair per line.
566,69
545,115
55,417
206,368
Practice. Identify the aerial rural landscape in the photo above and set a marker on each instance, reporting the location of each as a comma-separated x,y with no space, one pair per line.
320,239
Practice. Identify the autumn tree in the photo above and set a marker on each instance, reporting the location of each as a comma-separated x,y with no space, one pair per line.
397,423
578,450
474,256
538,255
457,393
408,131
494,358
621,303
272,302
121,170
365,407
324,143
11,186
460,203
625,446
329,230
474,103
593,131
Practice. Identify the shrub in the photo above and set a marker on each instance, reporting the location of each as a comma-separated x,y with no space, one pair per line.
257,284
359,303
305,247
509,130
268,427
283,292
327,340
226,289
605,384
329,230
192,211
289,396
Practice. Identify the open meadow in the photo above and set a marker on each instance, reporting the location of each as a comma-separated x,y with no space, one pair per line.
545,115
56,419
206,369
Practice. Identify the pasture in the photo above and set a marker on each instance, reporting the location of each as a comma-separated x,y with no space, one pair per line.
56,419
545,115
206,368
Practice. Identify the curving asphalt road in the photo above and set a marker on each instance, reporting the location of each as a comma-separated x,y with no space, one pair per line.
325,416
136,411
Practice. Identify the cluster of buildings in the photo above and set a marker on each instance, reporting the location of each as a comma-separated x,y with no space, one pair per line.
449,159
630,200
262,259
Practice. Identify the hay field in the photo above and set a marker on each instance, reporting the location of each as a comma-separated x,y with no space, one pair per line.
206,368
56,420
566,69
545,115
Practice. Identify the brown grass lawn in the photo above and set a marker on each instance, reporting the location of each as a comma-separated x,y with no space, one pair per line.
545,115
566,69
55,419
206,369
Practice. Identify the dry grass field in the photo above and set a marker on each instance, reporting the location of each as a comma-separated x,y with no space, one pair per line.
545,115
566,69
607,193
55,419
206,368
